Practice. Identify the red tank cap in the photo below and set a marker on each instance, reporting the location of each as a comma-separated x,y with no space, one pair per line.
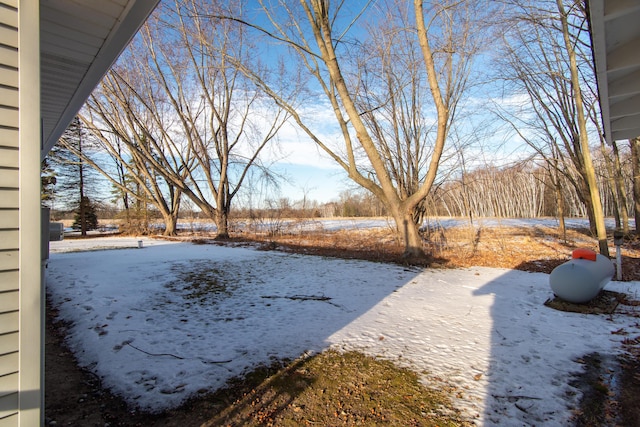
584,254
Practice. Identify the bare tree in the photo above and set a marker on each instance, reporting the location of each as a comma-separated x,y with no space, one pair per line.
614,185
393,88
588,169
128,171
544,43
555,178
184,111
510,192
611,156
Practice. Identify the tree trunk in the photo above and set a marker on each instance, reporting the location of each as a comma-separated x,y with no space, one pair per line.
413,240
408,232
635,160
596,203
611,181
83,206
560,211
170,224
589,171
222,223
620,190
582,191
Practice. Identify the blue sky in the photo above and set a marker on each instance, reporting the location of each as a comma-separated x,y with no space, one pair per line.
319,182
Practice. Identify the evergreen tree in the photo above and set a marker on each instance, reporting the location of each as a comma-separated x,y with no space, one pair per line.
86,215
75,178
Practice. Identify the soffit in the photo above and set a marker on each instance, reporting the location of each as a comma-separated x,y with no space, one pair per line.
79,41
615,32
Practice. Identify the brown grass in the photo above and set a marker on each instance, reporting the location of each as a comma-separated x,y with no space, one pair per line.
339,389
537,249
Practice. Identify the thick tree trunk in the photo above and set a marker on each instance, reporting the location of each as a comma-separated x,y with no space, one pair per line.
407,232
222,223
170,224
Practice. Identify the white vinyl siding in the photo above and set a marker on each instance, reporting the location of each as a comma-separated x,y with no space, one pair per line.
8,156
9,53
8,116
8,282
8,76
30,353
9,214
9,198
9,138
9,97
6,404
8,177
9,218
9,35
8,344
8,325
8,16
8,302
9,262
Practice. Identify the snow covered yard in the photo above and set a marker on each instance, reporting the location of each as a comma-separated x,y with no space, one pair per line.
162,323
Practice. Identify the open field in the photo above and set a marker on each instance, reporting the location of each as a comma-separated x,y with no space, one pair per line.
523,244
521,248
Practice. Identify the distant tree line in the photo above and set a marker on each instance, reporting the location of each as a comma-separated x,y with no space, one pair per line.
528,190
524,190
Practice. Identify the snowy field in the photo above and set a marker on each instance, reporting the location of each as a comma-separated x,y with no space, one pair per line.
162,323
335,224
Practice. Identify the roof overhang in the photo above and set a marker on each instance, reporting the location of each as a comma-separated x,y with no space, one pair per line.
615,33
79,41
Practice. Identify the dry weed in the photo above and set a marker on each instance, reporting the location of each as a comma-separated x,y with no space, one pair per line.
538,249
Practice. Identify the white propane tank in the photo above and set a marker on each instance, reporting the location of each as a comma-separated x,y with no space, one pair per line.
581,279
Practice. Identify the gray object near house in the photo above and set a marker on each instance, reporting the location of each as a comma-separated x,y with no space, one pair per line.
581,280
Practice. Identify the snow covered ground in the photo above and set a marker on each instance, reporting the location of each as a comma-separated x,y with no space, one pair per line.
161,323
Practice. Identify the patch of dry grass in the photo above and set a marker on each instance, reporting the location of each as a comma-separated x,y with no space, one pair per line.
605,302
338,389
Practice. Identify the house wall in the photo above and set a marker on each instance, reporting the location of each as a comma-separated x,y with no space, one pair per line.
20,266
